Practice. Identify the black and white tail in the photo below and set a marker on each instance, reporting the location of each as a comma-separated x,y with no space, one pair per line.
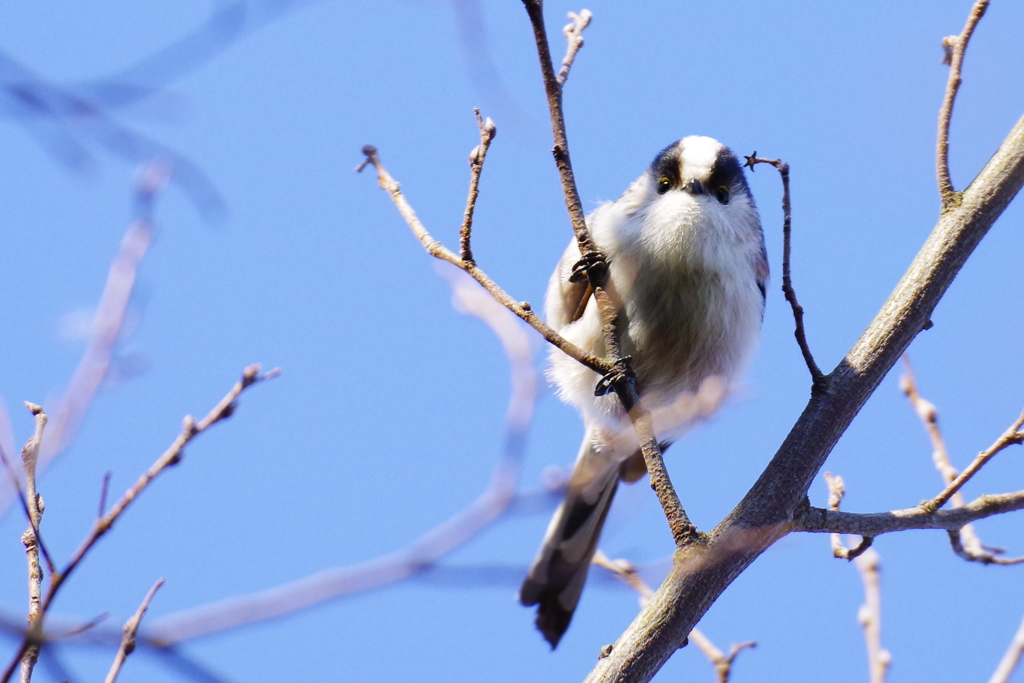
556,577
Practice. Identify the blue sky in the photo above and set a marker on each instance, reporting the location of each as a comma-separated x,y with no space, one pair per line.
390,411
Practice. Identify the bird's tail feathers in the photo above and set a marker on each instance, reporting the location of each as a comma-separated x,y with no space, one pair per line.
558,573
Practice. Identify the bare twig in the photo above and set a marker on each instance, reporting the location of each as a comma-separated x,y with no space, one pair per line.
817,376
190,429
870,616
476,163
836,491
625,571
1014,435
965,541
430,547
1010,659
32,543
955,47
574,37
131,629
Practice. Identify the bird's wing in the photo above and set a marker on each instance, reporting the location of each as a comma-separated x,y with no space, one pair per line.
566,301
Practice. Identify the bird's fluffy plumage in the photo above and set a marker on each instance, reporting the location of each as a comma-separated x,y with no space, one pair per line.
687,267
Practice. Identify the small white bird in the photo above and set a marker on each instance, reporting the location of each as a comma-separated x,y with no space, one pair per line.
688,267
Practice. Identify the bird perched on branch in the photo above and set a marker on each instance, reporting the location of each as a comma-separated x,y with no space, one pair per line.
687,270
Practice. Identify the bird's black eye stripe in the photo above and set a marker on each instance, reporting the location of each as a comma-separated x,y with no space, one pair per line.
665,169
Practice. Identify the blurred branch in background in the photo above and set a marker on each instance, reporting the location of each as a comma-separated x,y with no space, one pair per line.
497,499
870,615
68,120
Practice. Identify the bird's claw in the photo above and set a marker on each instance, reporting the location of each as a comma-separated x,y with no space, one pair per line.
621,372
591,263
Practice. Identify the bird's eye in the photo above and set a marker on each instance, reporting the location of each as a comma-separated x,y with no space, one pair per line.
722,194
664,184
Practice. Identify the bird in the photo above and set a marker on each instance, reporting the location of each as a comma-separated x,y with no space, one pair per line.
688,270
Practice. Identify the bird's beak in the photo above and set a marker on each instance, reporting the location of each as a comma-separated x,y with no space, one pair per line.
694,187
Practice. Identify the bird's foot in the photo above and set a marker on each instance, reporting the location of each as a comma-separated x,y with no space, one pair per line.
591,263
621,372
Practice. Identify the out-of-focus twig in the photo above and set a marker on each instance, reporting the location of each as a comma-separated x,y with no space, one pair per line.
954,47
870,615
1010,659
107,323
429,548
574,38
131,629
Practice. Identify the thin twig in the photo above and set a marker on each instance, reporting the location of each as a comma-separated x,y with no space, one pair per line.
574,37
1010,659
1014,435
476,163
625,571
190,429
836,491
131,629
818,378
965,541
955,47
870,616
30,539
